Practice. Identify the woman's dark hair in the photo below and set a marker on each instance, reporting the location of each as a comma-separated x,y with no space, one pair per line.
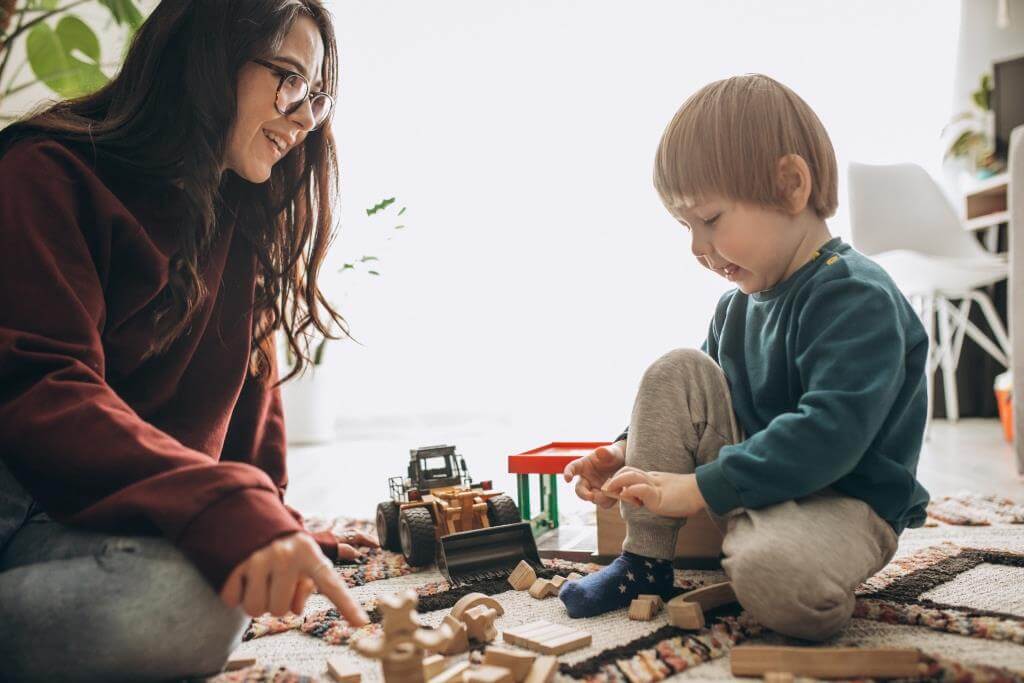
166,117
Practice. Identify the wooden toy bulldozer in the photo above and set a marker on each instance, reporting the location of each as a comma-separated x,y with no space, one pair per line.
437,511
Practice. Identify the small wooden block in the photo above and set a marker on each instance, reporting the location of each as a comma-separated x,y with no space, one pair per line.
452,675
642,610
480,623
459,642
472,600
547,638
236,663
343,672
488,674
557,581
433,665
686,615
516,661
573,576
655,598
543,670
778,677
542,588
710,597
523,576
825,662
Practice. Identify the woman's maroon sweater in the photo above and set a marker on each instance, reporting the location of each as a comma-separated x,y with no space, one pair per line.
186,444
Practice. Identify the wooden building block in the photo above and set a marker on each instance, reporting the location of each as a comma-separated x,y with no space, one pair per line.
433,665
543,670
682,614
459,640
547,638
778,677
523,576
479,622
655,598
825,662
516,661
557,581
451,675
642,610
573,576
710,597
472,600
488,674
236,663
343,672
542,588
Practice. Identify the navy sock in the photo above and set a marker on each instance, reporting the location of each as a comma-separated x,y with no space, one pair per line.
617,585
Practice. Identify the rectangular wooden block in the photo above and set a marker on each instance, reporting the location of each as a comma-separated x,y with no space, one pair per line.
542,588
516,661
547,638
682,614
452,674
523,576
825,662
488,674
543,670
236,663
642,610
343,672
656,598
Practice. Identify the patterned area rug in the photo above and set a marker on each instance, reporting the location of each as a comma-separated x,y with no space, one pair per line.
955,591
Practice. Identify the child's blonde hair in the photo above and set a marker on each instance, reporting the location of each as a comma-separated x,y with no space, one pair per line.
727,138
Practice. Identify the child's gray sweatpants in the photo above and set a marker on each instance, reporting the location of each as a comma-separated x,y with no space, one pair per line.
793,565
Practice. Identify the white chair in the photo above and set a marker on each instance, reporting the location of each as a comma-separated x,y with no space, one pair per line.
902,219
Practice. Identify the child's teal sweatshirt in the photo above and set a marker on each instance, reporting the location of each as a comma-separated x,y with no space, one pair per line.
827,374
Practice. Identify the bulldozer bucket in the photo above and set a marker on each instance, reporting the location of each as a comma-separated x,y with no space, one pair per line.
486,554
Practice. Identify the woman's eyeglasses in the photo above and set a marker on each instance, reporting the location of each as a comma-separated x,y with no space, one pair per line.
293,90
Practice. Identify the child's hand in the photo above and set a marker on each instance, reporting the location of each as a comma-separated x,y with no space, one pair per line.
594,469
663,493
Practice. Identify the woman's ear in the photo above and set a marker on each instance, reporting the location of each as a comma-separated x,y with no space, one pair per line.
793,182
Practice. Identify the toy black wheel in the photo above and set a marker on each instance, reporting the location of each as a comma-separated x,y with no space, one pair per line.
502,510
387,526
416,529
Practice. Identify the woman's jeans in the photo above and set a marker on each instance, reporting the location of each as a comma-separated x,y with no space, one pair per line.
81,605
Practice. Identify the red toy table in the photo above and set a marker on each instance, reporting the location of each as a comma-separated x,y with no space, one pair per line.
549,460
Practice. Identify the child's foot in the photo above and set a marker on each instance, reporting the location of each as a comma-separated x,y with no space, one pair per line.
617,585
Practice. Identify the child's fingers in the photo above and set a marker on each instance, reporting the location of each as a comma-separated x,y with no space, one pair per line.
643,495
330,586
602,499
573,468
584,490
627,476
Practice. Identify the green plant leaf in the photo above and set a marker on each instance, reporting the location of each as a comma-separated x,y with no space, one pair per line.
373,272
41,4
383,204
318,356
399,227
124,12
50,57
401,211
368,258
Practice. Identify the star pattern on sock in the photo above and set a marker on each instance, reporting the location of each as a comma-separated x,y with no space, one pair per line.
650,578
622,588
629,575
616,585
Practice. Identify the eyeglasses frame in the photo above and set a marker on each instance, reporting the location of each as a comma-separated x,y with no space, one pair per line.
310,93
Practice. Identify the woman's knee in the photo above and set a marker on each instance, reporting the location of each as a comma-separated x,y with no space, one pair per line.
787,595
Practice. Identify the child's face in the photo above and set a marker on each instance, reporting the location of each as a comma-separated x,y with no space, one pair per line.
753,246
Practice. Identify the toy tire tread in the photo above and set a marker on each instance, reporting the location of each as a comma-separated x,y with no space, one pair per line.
417,533
387,526
502,510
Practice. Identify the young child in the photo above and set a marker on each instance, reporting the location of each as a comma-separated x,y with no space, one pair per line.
799,422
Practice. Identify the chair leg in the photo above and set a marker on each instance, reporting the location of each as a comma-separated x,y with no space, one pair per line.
947,361
994,323
928,318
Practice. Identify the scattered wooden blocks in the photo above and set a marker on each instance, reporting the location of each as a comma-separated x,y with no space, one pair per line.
543,670
682,614
547,638
643,609
236,663
557,581
433,665
825,662
452,675
543,588
516,661
343,672
488,674
523,576
479,622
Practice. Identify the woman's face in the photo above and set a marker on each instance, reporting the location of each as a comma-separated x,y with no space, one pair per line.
260,135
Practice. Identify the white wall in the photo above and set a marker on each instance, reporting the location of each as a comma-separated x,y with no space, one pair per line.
981,41
539,274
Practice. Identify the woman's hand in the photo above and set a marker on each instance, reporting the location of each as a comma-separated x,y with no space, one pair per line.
280,576
594,469
349,542
663,493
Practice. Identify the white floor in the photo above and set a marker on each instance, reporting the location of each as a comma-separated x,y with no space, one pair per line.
349,476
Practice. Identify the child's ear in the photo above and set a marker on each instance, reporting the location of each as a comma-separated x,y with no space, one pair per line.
793,182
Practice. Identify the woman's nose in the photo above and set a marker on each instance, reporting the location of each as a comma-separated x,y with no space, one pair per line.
304,116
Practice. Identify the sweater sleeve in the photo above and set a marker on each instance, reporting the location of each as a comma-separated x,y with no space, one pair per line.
76,446
257,434
849,354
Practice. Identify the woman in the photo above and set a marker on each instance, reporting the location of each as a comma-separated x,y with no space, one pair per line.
154,237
